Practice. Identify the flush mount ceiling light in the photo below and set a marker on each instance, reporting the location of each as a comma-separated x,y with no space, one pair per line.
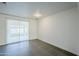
37,14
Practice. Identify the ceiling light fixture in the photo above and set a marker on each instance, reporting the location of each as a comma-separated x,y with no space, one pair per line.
37,14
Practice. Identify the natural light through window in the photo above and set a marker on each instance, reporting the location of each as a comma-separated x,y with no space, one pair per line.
17,31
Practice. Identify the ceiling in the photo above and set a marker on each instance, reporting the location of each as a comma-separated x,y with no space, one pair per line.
27,9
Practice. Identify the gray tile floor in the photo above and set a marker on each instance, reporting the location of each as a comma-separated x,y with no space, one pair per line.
31,48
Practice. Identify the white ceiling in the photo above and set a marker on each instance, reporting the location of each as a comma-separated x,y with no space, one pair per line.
27,9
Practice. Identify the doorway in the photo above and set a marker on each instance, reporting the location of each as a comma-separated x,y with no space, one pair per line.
17,31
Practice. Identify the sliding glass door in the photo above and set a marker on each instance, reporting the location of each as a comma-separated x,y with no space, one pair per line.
17,31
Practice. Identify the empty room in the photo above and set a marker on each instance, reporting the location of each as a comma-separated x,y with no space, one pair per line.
39,28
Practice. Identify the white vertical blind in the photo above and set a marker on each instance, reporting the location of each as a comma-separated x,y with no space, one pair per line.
17,31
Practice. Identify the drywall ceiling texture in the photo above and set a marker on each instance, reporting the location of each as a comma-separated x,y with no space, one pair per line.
27,9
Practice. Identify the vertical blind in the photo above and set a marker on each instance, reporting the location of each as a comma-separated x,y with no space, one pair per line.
17,31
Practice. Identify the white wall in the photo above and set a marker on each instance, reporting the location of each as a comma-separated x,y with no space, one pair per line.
4,18
77,43
33,29
2,30
61,30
